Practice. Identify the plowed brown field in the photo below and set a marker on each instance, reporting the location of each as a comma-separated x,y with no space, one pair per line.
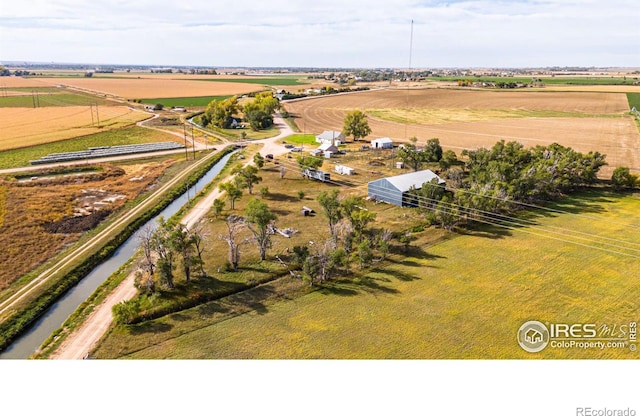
585,121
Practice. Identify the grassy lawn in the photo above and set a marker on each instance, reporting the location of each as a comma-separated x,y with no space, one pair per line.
454,296
131,135
301,139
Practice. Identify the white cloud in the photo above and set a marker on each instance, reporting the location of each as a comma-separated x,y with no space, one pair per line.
334,33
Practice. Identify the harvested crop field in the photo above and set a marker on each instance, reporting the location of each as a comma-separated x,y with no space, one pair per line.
150,87
23,127
464,119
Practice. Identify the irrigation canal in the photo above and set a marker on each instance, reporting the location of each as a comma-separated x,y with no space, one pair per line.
30,341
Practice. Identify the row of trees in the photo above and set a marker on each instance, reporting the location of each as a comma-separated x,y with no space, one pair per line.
496,180
258,112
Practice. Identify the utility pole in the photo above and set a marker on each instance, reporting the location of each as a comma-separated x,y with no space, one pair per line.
91,110
97,115
186,151
409,77
193,143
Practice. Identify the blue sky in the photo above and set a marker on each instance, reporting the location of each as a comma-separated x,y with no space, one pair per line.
323,33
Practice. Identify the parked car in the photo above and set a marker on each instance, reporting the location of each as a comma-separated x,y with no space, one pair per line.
289,146
269,156
297,149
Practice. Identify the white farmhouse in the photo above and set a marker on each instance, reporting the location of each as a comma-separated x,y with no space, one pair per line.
331,136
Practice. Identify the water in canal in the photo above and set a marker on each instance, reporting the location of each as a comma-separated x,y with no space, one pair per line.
53,319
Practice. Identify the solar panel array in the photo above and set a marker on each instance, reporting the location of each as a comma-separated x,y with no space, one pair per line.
107,151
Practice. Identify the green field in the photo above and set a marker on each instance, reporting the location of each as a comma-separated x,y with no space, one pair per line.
461,296
560,80
131,135
48,97
185,101
634,100
285,80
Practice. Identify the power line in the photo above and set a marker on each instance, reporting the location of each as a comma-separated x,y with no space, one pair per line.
499,220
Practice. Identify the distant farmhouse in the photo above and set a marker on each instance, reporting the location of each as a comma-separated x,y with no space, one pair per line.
382,143
395,188
331,136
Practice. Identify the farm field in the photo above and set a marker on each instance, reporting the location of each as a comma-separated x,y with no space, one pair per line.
464,296
24,127
143,87
466,119
128,135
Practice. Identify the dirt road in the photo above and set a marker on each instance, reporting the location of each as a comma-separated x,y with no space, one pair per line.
78,344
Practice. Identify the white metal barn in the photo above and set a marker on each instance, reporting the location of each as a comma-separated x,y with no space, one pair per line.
382,143
393,189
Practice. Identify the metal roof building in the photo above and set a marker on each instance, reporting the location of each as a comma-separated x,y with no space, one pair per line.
393,189
331,136
382,143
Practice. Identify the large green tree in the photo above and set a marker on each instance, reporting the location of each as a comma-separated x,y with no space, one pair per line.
623,178
247,176
332,210
233,192
260,218
220,113
356,124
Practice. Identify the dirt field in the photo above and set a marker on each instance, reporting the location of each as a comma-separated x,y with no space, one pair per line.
21,127
585,121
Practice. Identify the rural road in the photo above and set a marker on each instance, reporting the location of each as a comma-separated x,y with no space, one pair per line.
78,344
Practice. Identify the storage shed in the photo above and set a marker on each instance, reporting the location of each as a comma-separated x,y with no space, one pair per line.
344,170
394,189
382,143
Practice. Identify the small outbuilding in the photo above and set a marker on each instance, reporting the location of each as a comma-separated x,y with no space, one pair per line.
344,170
382,143
331,137
394,189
